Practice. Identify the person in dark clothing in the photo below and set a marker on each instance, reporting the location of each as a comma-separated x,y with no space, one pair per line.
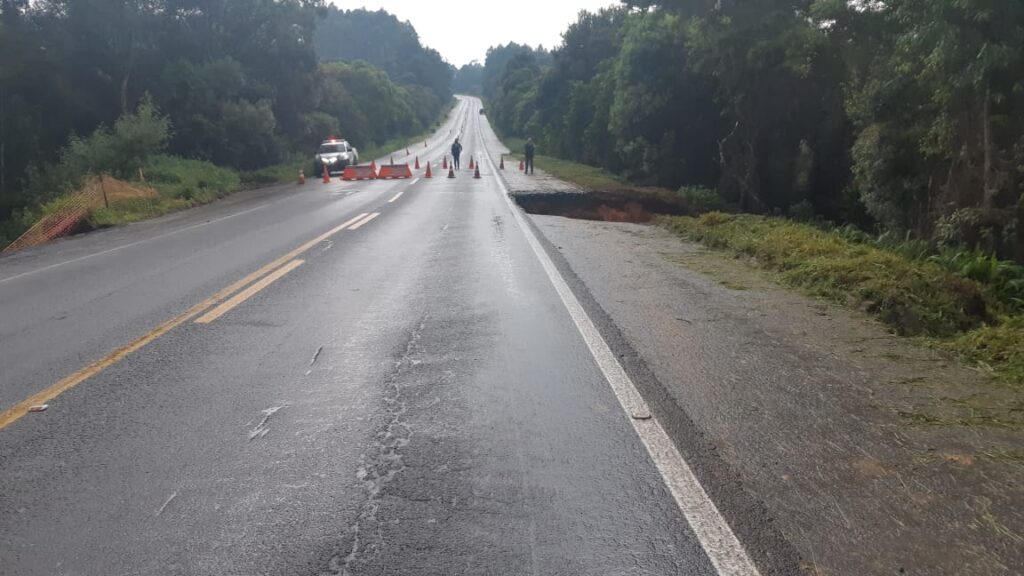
531,149
456,153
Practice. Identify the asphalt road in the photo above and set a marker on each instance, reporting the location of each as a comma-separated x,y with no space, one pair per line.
283,383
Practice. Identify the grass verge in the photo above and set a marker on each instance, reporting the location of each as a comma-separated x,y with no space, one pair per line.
181,183
285,171
582,175
914,297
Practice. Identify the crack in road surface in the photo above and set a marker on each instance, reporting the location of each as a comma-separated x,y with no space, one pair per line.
382,465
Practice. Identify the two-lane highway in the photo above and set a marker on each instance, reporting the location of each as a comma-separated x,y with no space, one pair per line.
381,377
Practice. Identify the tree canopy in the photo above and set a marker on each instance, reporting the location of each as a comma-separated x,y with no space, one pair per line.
235,82
905,115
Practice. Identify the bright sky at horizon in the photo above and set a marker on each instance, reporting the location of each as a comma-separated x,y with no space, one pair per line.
463,30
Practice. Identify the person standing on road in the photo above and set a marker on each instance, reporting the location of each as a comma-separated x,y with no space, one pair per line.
531,149
456,152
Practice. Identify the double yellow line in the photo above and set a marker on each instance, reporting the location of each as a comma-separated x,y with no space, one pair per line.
238,292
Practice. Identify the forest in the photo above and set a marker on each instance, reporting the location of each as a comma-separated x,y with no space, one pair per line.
107,86
901,118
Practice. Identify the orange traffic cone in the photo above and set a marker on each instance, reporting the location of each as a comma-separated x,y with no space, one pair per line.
444,163
502,165
451,171
429,174
327,175
373,166
417,162
521,166
302,177
477,173
471,165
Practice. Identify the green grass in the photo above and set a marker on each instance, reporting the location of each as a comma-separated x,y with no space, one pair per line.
999,348
181,183
184,183
915,297
285,171
582,175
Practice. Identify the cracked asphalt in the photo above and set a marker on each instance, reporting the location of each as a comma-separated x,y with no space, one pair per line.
408,395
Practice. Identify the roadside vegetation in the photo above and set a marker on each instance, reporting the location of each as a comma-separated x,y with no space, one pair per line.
198,101
966,303
584,176
870,154
900,118
181,184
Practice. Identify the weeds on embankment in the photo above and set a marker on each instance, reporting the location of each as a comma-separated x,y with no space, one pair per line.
916,297
181,183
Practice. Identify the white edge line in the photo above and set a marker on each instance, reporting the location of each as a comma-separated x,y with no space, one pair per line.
136,243
721,545
153,238
364,221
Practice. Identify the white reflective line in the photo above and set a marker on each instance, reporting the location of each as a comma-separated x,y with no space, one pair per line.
413,183
397,196
721,545
364,221
136,243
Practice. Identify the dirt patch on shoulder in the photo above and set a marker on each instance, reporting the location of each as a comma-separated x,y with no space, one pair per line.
636,205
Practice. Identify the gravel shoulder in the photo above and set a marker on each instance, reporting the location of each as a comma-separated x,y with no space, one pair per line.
838,427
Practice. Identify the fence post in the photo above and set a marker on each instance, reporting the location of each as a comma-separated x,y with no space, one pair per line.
103,188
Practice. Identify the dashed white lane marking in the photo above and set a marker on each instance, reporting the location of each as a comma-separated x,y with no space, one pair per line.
364,221
413,183
396,197
721,545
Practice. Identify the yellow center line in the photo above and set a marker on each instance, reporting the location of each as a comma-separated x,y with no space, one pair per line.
364,221
249,292
16,412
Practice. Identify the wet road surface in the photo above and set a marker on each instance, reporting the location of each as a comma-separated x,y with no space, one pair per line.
354,378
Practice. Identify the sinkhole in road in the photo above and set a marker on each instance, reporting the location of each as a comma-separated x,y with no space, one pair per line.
626,205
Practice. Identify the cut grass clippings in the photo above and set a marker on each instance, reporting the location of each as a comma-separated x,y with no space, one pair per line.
914,297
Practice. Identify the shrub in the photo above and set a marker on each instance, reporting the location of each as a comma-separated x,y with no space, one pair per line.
802,211
1003,279
119,151
702,199
191,180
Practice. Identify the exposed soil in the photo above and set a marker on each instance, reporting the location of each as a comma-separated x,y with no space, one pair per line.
636,205
872,453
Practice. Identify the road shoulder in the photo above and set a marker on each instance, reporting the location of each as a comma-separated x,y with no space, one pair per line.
816,411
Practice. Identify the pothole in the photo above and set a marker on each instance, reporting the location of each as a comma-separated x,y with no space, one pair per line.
626,205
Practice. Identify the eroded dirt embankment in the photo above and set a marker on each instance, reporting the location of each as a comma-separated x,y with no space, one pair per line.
840,428
637,205
826,417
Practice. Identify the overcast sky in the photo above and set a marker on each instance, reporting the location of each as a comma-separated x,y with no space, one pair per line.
463,30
